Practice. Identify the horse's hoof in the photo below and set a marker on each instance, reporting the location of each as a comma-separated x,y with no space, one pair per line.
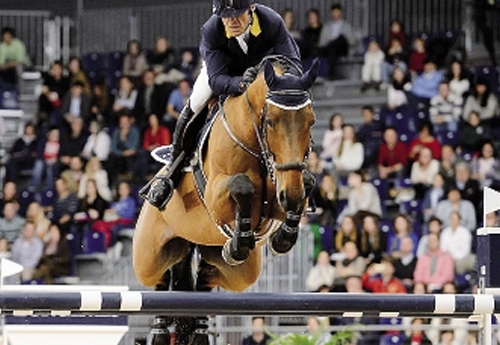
232,257
282,241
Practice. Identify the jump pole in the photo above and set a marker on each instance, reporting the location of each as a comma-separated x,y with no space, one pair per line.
214,303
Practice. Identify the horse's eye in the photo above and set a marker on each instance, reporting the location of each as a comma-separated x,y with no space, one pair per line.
270,123
312,122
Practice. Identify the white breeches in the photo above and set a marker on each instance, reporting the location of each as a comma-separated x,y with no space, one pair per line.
201,91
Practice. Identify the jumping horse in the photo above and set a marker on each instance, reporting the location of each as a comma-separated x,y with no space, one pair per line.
247,186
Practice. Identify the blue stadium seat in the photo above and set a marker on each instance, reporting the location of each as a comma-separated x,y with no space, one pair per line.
93,242
392,339
413,208
47,197
94,65
9,100
382,188
26,197
489,74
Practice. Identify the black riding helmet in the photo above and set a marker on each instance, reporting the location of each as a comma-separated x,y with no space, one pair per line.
231,8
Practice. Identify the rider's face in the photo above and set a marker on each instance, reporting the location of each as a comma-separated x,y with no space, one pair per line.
237,25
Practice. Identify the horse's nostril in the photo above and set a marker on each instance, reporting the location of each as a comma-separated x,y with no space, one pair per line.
282,197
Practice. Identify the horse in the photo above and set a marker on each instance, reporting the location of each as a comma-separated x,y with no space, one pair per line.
255,190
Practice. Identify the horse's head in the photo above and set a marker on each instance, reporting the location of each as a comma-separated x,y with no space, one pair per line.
287,119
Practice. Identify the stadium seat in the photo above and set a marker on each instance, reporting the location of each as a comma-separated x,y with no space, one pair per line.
382,188
26,197
9,100
93,242
392,339
47,197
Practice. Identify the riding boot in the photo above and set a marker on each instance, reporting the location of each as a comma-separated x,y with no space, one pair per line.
160,193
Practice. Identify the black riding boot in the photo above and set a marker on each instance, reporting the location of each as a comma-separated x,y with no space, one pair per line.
162,191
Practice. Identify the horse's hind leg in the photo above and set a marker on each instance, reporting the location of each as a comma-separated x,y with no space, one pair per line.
237,249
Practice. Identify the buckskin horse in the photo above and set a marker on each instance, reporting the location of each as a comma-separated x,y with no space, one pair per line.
248,187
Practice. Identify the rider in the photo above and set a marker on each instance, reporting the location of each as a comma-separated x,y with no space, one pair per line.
235,39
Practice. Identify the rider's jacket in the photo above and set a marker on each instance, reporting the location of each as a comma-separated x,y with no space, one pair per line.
225,59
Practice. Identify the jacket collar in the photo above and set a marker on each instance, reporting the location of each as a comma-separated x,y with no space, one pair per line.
255,28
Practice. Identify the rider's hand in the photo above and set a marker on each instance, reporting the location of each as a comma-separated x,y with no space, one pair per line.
248,77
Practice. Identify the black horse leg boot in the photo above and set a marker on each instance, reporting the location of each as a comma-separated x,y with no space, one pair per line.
162,191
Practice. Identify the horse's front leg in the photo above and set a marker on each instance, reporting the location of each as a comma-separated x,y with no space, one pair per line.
285,237
237,249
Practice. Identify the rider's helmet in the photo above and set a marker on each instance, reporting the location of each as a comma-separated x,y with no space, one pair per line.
231,8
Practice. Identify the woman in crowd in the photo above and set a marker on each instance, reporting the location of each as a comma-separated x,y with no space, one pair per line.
353,265
402,229
373,241
321,274
423,172
94,172
425,138
76,74
433,196
56,258
486,167
92,205
127,94
332,139
417,56
310,35
100,103
36,214
458,80
351,153
134,63
98,143
347,232
9,194
396,92
482,100
473,134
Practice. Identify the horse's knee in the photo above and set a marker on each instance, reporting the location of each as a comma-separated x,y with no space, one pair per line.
240,186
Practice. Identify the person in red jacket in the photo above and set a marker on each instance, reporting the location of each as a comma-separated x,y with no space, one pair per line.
392,155
155,135
379,278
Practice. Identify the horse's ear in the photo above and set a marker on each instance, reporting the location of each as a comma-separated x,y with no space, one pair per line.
269,74
310,76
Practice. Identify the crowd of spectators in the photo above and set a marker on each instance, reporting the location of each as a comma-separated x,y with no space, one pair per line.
77,168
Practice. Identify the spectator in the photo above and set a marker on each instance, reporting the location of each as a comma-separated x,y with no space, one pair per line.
350,155
65,206
76,104
396,93
397,31
126,97
454,203
289,19
456,240
379,278
176,102
325,199
396,56
423,172
335,38
315,166
363,197
373,241
370,135
469,187
120,213
473,134
12,57
482,100
94,171
98,143
258,336
434,226
310,35
486,168
323,273
448,162
392,155
433,196
404,266
73,174
189,65
417,336
332,138
155,136
76,74
445,110
316,331
492,220
91,206
23,153
12,223
56,258
425,86
36,214
371,73
4,248
163,58
100,103
435,267
124,146
9,194
55,86
417,56
402,229
427,139
347,232
353,265
72,143
27,250
134,63
48,164
459,80
151,98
